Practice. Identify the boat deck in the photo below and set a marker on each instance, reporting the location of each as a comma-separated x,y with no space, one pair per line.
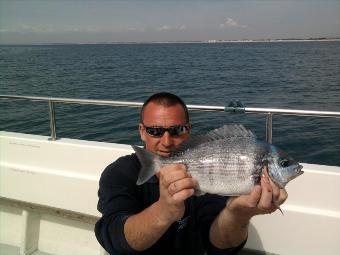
6,249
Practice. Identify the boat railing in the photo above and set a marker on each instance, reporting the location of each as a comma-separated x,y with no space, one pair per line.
233,107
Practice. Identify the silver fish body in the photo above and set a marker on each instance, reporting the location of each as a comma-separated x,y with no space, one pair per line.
225,161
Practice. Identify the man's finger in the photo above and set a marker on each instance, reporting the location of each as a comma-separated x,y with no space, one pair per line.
245,201
255,196
276,191
266,199
186,183
282,197
183,194
172,173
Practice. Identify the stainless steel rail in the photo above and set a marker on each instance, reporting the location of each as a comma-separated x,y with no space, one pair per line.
269,112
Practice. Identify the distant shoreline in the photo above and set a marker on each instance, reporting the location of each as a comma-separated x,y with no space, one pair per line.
277,40
182,42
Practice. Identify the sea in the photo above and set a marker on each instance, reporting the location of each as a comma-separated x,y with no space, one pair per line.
288,75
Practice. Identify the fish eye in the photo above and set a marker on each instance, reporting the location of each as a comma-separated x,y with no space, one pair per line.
284,163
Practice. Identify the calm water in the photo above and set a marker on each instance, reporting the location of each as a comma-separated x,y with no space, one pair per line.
295,75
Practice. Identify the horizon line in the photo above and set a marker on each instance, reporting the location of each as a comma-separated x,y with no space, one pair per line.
198,41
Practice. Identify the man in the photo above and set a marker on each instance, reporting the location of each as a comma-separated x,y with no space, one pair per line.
163,216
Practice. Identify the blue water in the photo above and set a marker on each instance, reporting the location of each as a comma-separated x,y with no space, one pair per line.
294,75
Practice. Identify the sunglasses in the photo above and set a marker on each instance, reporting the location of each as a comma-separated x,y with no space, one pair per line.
173,130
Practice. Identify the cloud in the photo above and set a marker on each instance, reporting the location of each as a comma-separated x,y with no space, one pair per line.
166,28
136,29
46,28
22,28
183,27
232,23
163,28
27,28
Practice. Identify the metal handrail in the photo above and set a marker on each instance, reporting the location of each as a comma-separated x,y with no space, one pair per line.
237,108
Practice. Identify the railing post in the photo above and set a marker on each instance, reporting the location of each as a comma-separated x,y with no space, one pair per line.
30,233
269,128
52,121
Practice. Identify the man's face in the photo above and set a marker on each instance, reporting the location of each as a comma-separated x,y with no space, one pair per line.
156,115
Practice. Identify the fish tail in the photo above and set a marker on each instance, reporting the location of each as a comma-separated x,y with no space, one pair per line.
150,162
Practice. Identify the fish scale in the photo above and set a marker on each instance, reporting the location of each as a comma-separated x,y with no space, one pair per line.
229,174
225,161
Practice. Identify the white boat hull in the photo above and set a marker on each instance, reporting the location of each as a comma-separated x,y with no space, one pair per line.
48,199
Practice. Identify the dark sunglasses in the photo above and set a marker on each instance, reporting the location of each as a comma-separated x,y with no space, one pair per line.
173,130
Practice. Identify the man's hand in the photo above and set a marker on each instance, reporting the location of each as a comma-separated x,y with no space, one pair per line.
263,199
144,229
175,186
230,228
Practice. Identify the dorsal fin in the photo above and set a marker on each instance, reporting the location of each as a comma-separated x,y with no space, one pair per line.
230,130
224,132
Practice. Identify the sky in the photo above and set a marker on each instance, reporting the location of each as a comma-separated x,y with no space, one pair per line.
84,21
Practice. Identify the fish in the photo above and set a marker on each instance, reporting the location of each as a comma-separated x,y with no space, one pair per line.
226,161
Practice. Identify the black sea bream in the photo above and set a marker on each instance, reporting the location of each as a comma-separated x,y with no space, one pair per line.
225,161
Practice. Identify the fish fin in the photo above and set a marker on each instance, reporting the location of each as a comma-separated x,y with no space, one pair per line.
198,192
225,132
231,130
277,206
150,164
